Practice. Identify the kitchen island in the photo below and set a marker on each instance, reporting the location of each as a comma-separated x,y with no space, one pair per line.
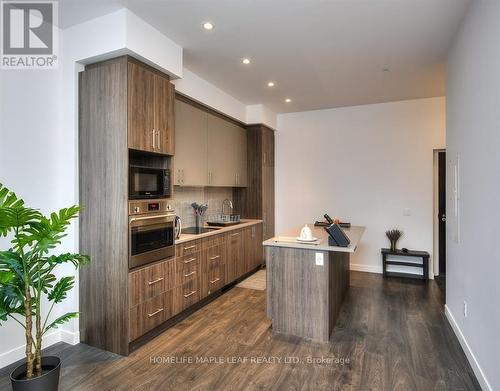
307,283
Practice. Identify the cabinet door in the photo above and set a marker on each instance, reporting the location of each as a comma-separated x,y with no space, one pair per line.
234,256
213,270
258,249
190,145
141,117
268,183
221,153
240,145
164,115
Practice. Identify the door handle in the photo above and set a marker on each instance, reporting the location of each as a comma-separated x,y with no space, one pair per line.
443,218
155,281
155,313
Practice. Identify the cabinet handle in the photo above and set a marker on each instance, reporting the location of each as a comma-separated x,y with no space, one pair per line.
214,281
189,247
155,313
190,274
182,176
154,146
190,294
216,257
189,261
159,139
236,234
155,281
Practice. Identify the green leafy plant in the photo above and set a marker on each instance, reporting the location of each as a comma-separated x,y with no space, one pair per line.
27,270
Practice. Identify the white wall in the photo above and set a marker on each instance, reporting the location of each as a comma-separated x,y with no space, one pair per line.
363,164
473,135
204,92
30,157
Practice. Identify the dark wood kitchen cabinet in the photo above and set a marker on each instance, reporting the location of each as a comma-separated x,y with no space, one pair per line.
213,265
256,201
151,99
235,261
253,250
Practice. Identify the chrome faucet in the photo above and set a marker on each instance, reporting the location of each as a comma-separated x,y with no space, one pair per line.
229,203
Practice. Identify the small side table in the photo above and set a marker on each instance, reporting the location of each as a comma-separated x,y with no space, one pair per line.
418,254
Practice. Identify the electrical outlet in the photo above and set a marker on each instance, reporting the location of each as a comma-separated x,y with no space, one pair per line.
319,259
465,309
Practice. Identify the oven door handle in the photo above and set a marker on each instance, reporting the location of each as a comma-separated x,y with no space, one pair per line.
132,219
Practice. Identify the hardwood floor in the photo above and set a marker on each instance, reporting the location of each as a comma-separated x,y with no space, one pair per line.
392,332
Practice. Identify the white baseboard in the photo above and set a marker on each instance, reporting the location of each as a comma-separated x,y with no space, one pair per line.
366,268
16,354
481,378
70,337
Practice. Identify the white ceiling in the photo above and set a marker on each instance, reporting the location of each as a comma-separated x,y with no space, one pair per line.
320,53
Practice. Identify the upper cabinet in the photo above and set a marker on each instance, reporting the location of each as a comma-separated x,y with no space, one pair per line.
210,150
190,146
151,99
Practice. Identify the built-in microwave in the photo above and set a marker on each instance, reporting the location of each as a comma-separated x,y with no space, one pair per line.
148,182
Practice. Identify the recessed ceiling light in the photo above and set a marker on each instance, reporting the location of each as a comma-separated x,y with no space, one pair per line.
288,100
208,26
246,61
270,84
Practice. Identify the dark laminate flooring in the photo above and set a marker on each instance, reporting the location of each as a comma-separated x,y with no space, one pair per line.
393,332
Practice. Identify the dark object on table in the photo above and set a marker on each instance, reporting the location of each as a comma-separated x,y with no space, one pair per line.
409,253
394,235
337,237
404,249
326,224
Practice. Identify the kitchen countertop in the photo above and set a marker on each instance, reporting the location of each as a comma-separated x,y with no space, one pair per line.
244,223
288,240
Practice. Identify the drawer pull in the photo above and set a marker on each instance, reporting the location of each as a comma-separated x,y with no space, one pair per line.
189,247
214,281
190,294
236,234
190,274
190,260
155,313
155,281
216,257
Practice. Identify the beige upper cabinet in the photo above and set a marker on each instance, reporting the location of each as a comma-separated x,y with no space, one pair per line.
220,147
220,162
190,162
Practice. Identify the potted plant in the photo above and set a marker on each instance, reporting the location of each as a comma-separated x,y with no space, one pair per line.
27,273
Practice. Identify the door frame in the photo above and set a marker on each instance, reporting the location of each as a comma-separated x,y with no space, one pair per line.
435,218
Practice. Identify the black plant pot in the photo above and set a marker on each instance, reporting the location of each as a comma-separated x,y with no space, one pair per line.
48,381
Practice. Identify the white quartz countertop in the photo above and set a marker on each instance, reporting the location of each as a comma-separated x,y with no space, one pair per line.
216,231
289,239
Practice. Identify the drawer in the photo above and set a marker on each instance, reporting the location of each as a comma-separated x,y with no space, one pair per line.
187,268
211,241
151,281
153,312
186,295
215,276
187,248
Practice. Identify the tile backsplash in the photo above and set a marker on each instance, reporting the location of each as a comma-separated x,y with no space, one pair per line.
185,196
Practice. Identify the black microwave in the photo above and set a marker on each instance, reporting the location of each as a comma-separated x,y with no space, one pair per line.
148,182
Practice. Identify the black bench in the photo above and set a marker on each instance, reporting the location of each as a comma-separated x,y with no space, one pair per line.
418,254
